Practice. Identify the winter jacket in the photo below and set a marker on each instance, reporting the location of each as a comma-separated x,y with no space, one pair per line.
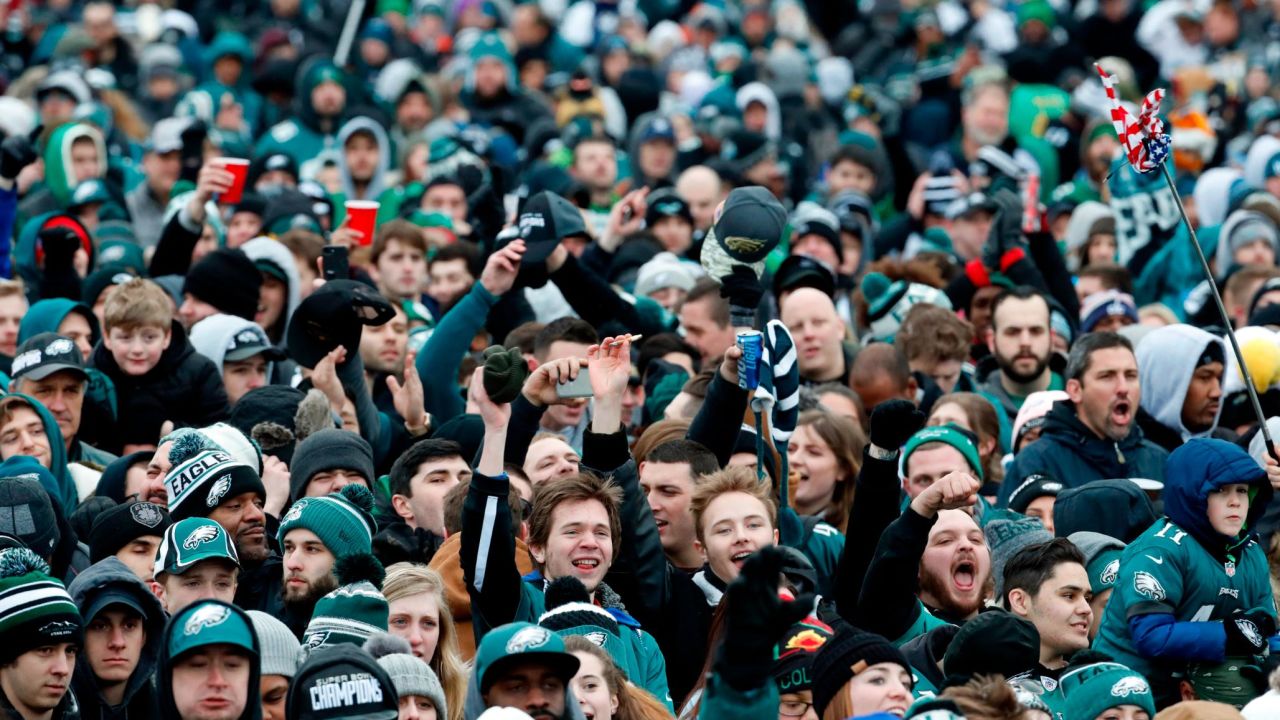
889,604
140,701
1181,580
184,387
307,137
164,678
376,184
68,709
474,706
147,213
722,700
260,586
878,493
448,343
448,562
1167,360
1071,453
499,594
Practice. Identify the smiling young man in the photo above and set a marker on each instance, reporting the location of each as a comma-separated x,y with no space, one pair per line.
575,526
197,561
1194,586
124,622
1048,585
1094,435
42,633
209,665
669,476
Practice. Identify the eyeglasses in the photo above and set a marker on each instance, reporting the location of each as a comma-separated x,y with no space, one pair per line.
793,708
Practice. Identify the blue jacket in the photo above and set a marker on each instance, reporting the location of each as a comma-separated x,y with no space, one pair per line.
1072,454
1180,579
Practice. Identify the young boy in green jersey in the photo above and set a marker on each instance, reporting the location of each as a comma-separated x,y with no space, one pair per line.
1194,587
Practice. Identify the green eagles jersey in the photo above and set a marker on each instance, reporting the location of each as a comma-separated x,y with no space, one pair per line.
1146,214
1167,571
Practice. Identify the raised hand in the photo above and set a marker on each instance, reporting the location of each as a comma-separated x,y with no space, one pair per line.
408,398
953,491
502,267
540,388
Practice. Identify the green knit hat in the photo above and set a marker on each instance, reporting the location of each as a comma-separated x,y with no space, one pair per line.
35,609
1093,689
343,520
889,301
355,611
948,435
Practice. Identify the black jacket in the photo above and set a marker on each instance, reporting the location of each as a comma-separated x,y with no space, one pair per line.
1071,453
261,586
184,387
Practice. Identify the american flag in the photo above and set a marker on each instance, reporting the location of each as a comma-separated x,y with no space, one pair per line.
1145,143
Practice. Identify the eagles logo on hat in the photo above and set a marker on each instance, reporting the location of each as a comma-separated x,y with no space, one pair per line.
250,342
196,484
206,616
544,221
751,224
194,540
45,354
218,491
145,513
518,642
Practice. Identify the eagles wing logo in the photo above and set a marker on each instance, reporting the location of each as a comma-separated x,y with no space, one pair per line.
529,637
596,637
219,489
206,617
294,513
61,346
145,513
1110,572
199,536
1147,585
247,337
744,245
1132,685
314,640
1250,631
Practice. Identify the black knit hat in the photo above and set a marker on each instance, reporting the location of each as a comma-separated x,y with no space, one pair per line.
228,280
112,482
331,449
994,643
848,653
123,524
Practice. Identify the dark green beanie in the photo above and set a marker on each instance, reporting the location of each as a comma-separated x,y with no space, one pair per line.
504,373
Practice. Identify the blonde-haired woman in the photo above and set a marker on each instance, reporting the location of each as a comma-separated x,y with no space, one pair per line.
420,614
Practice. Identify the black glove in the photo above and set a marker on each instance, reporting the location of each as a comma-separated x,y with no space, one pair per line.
1247,633
16,153
893,422
755,620
60,245
744,291
1006,229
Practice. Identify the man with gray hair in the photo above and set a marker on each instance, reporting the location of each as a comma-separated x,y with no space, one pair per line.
1093,435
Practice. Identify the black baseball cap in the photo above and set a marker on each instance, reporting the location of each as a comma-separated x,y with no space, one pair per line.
666,203
751,224
335,315
249,342
45,354
544,221
341,682
799,271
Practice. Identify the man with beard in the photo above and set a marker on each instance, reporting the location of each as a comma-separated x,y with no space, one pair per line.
1181,366
1092,435
1098,148
932,565
315,534
523,667
1021,341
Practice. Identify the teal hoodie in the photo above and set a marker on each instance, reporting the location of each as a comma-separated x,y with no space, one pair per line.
47,315
306,137
64,490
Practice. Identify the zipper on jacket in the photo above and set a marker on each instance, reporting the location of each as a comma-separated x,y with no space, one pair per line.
1119,454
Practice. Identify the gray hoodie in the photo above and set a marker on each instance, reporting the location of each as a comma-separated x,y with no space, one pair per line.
1167,359
376,186
1242,226
211,336
761,93
473,707
273,251
140,702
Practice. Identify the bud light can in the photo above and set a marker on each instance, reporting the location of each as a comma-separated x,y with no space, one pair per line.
751,342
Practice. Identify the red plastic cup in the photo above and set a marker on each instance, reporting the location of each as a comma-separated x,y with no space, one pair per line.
362,216
239,167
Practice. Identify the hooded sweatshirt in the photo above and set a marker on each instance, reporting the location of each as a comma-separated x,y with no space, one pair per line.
1239,226
265,249
164,678
759,92
1082,219
140,701
376,186
64,492
211,336
1167,360
57,159
475,706
1181,578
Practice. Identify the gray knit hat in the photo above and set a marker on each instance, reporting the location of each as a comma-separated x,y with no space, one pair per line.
281,651
409,674
1006,538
